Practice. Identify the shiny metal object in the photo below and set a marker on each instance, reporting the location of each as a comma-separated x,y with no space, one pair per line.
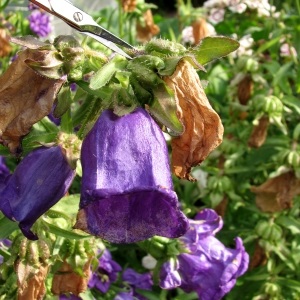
83,22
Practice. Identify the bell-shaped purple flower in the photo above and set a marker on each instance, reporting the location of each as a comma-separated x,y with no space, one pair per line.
4,172
127,191
210,268
39,181
106,274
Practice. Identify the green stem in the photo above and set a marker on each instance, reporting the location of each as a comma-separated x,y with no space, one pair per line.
120,16
298,6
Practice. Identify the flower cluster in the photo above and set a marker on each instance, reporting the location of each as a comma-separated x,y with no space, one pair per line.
39,22
217,8
207,267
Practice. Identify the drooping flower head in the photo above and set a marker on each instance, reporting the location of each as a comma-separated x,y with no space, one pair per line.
127,191
106,274
39,181
208,268
39,23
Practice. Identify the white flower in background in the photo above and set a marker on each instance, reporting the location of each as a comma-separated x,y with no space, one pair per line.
216,15
216,3
187,35
238,8
201,177
211,29
287,50
149,262
246,43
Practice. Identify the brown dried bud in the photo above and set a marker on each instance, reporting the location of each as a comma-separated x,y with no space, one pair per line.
259,133
129,5
31,281
200,30
222,207
259,257
203,127
5,47
26,97
148,29
277,193
66,280
245,88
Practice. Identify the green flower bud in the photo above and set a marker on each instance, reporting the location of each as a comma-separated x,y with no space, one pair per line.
160,47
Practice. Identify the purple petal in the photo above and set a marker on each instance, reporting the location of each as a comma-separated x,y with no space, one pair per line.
137,280
125,296
39,181
127,191
169,277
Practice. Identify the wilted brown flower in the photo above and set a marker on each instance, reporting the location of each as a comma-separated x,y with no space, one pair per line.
277,193
203,127
25,97
5,47
200,30
66,280
147,29
259,257
31,282
259,133
245,88
129,5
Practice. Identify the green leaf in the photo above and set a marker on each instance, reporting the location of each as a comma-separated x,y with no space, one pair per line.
268,44
7,227
172,62
64,100
164,109
65,233
211,48
68,204
106,73
290,223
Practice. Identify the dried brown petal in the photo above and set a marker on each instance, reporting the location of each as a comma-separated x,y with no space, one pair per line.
222,207
67,281
200,30
203,127
259,133
129,5
259,257
277,193
245,88
31,281
25,98
5,47
148,29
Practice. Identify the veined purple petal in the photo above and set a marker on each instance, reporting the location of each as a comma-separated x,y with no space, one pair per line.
169,277
127,191
4,171
39,181
212,270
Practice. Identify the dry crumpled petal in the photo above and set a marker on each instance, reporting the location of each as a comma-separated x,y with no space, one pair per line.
129,5
245,88
25,98
259,133
147,30
67,281
259,257
200,30
31,282
5,47
277,193
203,127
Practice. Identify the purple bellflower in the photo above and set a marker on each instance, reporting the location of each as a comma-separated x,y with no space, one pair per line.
39,181
135,281
209,268
127,191
106,274
4,171
69,297
39,23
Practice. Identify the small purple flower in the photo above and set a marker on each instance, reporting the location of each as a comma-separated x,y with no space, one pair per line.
39,23
127,191
106,274
69,297
135,281
39,181
169,277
